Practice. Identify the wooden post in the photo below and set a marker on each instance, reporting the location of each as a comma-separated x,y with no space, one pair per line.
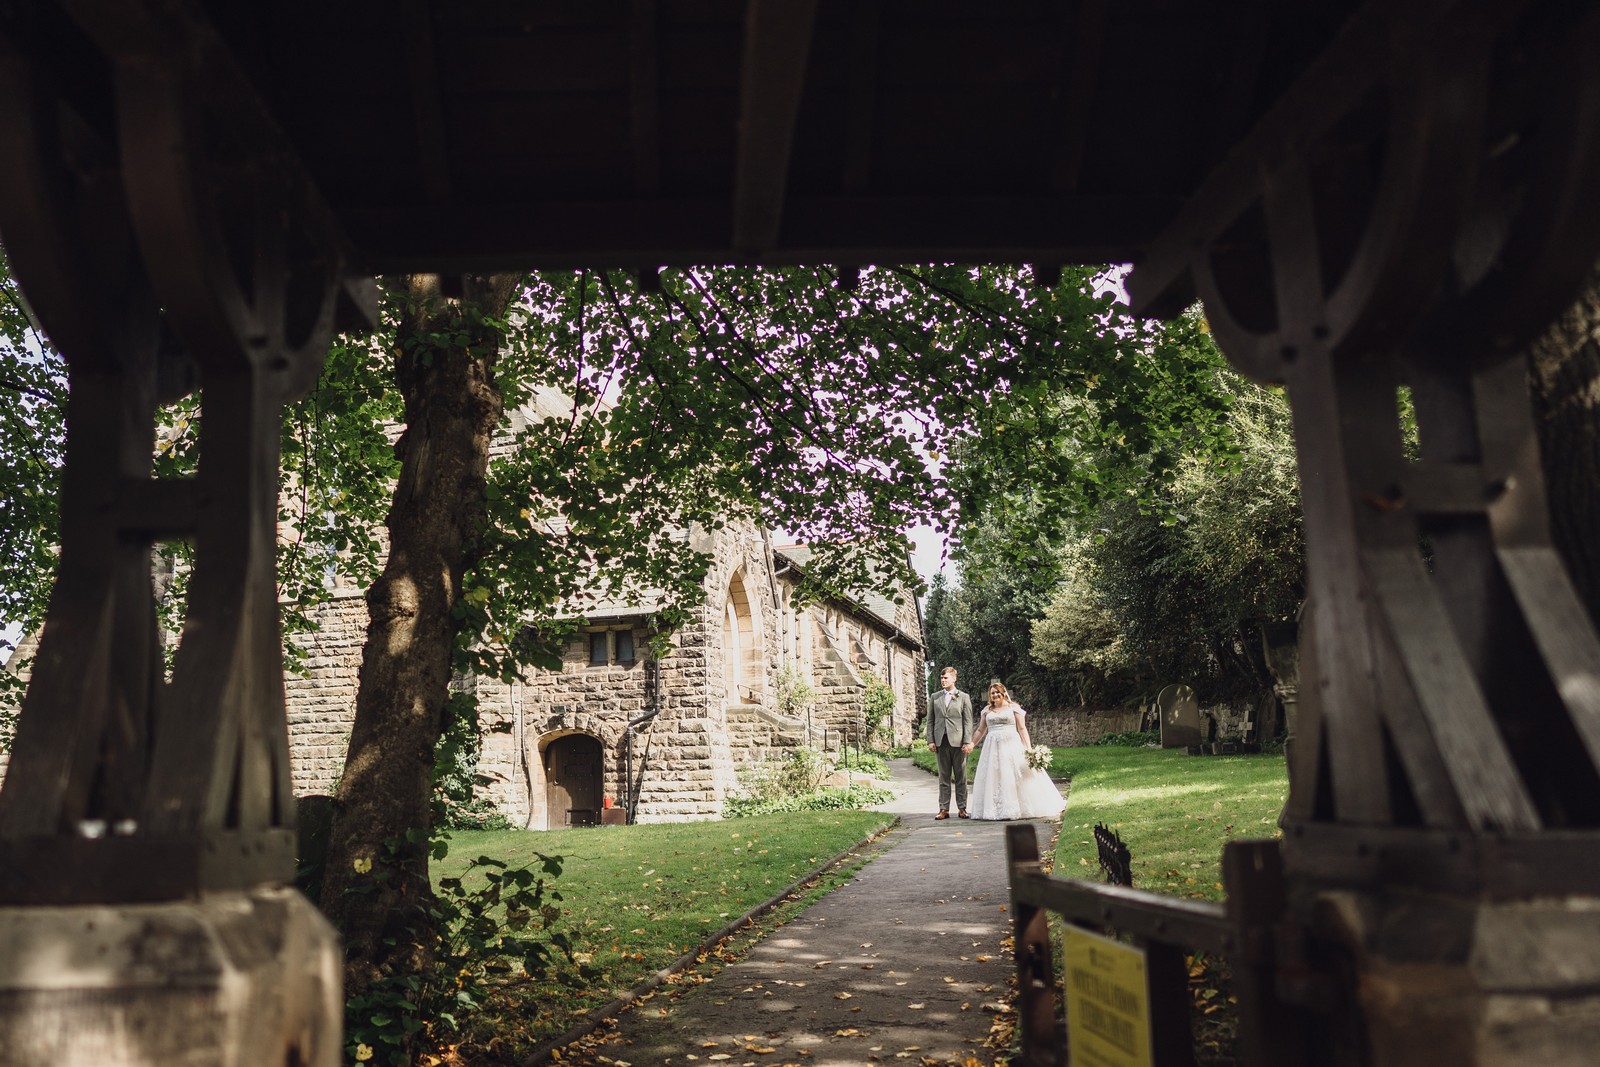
1042,1046
143,819
1448,753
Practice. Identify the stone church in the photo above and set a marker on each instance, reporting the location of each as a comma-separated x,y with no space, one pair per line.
654,740
651,739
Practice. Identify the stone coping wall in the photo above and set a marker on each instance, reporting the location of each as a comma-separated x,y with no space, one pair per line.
1071,727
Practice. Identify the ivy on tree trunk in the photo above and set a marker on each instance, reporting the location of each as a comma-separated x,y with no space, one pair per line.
376,887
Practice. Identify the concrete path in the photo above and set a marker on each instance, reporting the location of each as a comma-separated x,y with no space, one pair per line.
895,967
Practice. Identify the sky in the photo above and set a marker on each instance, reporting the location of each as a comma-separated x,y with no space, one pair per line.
927,548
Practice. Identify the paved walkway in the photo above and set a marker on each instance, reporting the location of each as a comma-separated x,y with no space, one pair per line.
895,966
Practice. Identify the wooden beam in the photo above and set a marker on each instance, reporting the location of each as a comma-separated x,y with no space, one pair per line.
826,229
777,46
644,96
1249,40
1083,30
863,95
1358,60
427,99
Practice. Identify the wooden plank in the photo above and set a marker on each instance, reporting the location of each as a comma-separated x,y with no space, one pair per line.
155,509
1509,866
1271,1031
1427,778
1329,400
118,869
1562,630
427,98
1036,983
1171,1005
1197,924
1475,756
644,93
820,229
772,79
1441,488
863,95
1357,61
1083,29
1551,246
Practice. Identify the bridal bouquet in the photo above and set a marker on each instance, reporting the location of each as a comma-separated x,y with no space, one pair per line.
1039,757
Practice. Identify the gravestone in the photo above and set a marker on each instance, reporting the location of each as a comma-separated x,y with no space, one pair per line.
1180,717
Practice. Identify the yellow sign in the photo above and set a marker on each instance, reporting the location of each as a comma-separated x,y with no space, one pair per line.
1108,1002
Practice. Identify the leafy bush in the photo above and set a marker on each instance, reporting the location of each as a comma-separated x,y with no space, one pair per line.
871,763
1130,739
792,781
456,781
828,798
484,933
878,703
794,693
788,773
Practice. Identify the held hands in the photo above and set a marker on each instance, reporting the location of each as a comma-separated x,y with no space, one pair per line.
966,748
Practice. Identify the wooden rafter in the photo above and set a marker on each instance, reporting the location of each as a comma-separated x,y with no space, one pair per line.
829,229
427,99
644,96
1083,27
868,16
777,46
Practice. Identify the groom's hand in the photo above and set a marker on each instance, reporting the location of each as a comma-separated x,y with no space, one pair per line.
966,748
932,747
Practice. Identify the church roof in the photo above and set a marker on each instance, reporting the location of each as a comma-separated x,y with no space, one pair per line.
880,606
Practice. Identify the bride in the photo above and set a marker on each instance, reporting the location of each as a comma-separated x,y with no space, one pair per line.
1005,787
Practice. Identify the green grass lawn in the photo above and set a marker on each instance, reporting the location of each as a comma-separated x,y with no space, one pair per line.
635,898
1172,810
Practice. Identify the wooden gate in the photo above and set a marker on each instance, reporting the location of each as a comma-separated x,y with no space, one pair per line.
572,781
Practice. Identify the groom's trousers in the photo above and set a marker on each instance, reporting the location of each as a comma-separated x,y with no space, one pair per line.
952,772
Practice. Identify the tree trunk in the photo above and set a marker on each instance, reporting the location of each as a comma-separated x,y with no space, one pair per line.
1564,368
445,355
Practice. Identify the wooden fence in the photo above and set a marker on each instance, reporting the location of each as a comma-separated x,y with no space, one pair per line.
1247,930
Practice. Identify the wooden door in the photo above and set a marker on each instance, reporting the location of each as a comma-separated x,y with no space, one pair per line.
572,777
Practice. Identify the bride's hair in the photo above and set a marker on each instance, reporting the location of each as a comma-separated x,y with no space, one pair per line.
1005,694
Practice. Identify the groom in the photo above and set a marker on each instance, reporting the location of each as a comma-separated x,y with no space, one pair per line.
950,736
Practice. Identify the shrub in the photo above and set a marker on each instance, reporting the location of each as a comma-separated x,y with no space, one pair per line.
878,704
1130,739
794,693
866,762
795,771
830,798
483,934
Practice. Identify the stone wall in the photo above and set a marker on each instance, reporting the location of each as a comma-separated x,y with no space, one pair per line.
709,704
1080,726
322,700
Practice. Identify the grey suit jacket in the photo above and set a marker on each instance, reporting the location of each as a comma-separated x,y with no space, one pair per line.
953,723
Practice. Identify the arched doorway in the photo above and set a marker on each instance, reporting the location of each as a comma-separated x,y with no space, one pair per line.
573,781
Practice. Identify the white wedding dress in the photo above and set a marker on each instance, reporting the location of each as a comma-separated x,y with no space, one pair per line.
1005,787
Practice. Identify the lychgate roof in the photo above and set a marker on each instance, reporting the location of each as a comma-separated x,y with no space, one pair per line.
456,134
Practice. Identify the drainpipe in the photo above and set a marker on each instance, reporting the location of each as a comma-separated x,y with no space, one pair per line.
630,800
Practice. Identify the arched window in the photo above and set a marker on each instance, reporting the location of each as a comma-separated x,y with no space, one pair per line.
742,671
